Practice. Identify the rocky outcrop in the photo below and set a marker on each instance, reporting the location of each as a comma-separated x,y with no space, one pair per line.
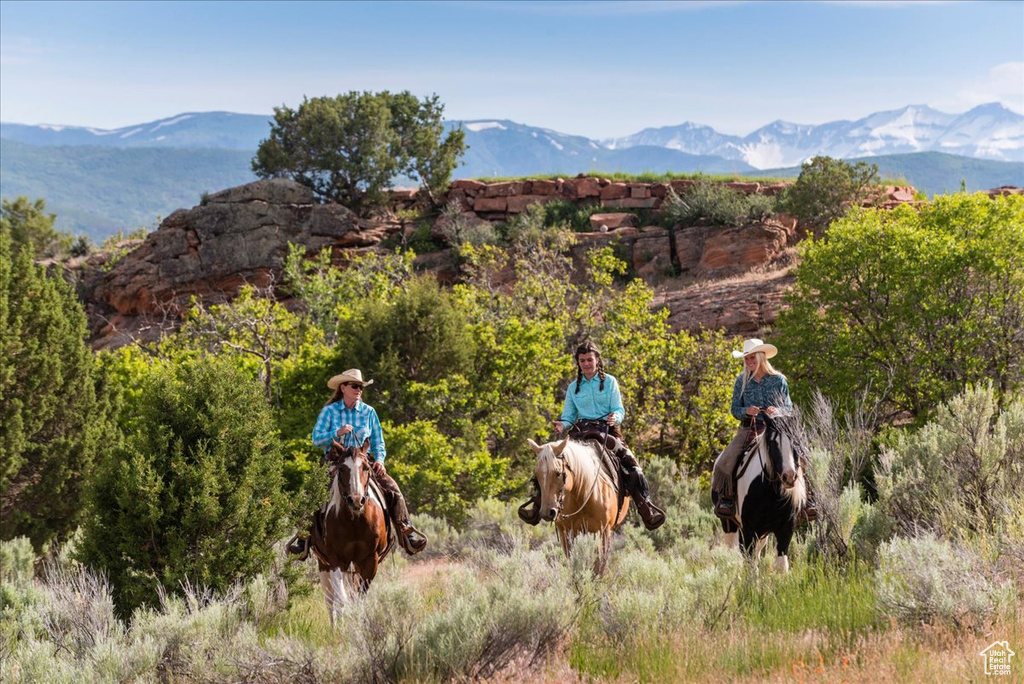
235,237
707,276
500,201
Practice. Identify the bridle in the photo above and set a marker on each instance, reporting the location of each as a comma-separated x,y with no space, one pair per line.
334,470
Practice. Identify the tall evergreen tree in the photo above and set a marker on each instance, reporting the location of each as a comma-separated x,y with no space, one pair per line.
54,413
28,224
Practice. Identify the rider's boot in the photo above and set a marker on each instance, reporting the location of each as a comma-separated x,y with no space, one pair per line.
298,547
411,539
529,512
639,489
809,511
726,506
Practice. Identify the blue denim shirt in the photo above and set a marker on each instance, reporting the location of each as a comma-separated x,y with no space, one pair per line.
365,425
773,390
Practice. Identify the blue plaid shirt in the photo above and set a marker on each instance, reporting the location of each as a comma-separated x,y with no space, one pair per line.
591,403
773,390
365,424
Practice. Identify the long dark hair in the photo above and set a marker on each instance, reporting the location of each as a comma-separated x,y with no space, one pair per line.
586,348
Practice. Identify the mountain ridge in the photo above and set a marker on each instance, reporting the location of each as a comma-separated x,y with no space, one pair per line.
987,131
127,177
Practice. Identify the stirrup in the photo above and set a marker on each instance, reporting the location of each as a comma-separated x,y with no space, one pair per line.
298,547
411,539
652,516
531,516
808,512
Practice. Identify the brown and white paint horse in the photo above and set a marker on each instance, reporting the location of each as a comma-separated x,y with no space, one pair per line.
354,537
578,495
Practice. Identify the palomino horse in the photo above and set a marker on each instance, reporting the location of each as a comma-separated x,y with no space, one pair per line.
578,494
770,490
352,536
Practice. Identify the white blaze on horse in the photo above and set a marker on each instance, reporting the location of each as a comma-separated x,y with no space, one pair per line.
352,536
771,488
578,494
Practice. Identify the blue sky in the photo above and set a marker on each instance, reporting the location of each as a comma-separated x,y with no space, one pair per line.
599,69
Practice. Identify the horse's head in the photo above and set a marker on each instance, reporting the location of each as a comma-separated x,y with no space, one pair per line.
350,468
783,460
554,475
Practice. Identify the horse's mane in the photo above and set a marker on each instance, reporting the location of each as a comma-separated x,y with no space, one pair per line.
573,454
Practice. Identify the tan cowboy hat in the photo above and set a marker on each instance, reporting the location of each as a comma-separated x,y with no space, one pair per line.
351,375
754,345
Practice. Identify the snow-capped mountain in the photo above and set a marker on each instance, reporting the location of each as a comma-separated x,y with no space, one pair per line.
988,131
506,148
212,130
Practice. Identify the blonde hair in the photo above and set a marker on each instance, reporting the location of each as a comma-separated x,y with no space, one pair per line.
762,363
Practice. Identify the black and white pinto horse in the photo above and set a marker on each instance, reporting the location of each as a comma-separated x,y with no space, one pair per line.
770,490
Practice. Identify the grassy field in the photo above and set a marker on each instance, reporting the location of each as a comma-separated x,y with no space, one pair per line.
499,602
910,586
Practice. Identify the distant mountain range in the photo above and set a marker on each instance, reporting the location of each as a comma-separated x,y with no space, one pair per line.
989,131
99,181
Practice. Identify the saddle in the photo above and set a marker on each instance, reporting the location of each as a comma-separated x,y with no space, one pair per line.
607,446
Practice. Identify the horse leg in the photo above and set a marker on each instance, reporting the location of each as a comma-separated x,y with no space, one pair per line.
782,539
752,547
565,540
350,578
730,529
603,552
329,596
338,578
367,571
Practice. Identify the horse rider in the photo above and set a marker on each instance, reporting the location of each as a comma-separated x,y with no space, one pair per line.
759,390
593,410
347,419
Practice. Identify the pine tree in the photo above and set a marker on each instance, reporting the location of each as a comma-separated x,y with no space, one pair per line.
54,413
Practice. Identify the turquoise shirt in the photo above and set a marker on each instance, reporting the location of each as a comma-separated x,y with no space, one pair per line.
591,403
773,390
365,425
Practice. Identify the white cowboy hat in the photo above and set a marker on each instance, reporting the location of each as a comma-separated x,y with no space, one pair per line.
351,375
754,345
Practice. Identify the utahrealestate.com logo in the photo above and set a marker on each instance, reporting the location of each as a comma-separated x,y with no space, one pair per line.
997,658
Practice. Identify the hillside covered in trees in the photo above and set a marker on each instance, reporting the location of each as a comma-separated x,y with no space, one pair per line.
161,477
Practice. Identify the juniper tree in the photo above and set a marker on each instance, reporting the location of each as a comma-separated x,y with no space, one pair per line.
195,494
350,148
54,411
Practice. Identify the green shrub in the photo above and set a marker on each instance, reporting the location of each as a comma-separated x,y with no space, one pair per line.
440,477
716,204
827,187
961,473
931,580
761,207
195,493
459,230
566,214
462,628
902,309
